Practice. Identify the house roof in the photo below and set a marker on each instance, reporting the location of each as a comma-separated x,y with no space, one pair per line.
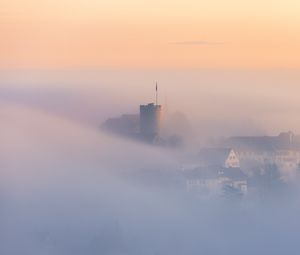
285,140
254,142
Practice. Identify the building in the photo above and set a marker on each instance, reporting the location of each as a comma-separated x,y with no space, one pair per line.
284,141
213,169
144,127
282,150
150,119
127,125
215,179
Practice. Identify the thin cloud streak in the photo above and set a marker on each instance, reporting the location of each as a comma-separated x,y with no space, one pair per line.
200,43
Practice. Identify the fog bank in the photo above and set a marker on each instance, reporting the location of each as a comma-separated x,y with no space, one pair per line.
69,189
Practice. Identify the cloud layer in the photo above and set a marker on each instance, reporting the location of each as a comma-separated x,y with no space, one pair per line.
69,189
200,43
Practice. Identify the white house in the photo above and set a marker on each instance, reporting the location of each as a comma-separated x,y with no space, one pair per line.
213,169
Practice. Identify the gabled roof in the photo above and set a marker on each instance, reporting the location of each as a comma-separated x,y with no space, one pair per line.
284,141
254,142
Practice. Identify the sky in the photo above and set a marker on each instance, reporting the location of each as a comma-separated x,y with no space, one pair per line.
157,34
228,67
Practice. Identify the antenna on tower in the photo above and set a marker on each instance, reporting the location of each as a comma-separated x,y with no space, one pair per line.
156,89
166,106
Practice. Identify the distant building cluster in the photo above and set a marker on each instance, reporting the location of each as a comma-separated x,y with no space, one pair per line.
214,170
233,167
127,124
144,126
282,150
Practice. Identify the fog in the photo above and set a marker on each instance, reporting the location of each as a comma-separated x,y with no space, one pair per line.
68,188
217,103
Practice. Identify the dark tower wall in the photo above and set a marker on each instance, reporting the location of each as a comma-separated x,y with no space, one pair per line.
150,119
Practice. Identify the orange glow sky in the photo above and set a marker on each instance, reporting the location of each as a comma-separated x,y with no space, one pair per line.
149,34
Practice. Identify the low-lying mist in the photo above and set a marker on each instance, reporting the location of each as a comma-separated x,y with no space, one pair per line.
67,188
216,102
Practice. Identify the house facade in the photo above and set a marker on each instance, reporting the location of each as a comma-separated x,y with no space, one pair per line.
214,169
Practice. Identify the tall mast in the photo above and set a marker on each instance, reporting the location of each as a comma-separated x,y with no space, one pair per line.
156,88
